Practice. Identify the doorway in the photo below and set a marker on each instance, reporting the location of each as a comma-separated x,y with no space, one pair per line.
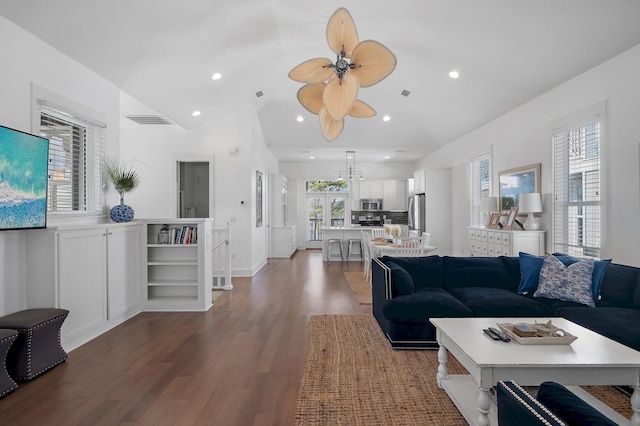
323,210
194,186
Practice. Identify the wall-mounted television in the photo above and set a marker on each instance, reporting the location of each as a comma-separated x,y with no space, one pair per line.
24,159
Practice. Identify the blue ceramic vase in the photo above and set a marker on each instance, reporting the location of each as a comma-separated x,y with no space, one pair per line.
121,212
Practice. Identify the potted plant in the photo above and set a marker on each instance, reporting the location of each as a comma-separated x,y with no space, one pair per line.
125,179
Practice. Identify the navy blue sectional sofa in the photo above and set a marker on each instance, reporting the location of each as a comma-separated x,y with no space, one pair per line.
409,291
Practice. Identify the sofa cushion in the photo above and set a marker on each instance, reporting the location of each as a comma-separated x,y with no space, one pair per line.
615,323
476,272
425,303
426,271
569,407
498,302
529,272
402,281
572,283
599,269
618,286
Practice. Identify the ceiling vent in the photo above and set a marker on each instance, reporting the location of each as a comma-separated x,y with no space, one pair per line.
148,119
259,93
405,93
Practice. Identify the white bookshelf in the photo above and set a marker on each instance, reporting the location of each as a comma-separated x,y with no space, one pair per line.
177,276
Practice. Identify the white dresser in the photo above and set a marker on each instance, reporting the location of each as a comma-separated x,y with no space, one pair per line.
496,242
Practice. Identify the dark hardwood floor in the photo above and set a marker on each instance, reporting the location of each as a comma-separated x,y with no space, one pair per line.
239,363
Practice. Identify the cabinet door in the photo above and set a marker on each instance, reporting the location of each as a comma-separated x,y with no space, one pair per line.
419,181
82,279
123,269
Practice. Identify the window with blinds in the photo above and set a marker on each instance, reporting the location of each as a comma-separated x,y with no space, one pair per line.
480,186
75,158
576,208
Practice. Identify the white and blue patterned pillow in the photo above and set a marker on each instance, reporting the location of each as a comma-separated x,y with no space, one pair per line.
571,283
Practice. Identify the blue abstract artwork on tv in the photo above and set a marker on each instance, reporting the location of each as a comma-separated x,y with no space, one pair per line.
23,180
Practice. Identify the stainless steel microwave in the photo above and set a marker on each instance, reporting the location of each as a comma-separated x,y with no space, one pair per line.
370,204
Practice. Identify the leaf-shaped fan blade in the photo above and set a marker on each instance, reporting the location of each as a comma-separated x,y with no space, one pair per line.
341,32
340,95
331,128
362,110
310,96
374,61
312,71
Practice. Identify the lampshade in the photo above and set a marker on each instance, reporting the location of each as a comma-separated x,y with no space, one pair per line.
489,204
530,203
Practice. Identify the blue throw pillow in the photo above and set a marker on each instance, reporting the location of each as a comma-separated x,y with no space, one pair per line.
529,272
599,268
401,279
571,283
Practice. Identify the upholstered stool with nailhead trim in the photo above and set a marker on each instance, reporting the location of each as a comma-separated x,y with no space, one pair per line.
6,382
37,347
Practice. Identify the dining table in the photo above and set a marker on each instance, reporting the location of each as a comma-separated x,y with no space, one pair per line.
406,248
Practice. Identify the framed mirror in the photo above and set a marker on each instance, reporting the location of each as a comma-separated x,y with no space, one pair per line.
514,182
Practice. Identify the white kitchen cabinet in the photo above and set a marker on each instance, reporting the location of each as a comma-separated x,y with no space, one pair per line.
283,241
177,276
372,189
497,242
419,181
93,271
395,195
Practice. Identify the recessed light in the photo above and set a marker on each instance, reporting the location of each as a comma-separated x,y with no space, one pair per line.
386,118
312,157
386,157
454,74
300,118
216,76
196,113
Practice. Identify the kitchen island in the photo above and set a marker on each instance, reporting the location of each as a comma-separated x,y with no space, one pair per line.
345,234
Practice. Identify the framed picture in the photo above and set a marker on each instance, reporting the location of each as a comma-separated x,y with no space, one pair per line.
514,182
258,198
494,221
511,218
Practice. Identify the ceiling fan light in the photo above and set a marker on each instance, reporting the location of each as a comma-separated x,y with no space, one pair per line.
312,71
340,95
331,128
310,97
375,62
342,33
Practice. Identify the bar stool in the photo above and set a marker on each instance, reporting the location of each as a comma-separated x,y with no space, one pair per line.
354,243
333,242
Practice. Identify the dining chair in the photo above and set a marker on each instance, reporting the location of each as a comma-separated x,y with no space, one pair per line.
366,254
414,233
426,238
377,233
410,247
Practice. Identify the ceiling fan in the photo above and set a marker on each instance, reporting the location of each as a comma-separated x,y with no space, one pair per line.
331,88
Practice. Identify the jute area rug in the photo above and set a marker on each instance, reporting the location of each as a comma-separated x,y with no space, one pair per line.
353,377
360,286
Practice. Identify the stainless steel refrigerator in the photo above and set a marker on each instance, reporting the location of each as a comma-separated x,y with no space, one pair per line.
416,209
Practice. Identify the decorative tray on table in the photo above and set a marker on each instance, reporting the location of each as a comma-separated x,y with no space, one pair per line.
537,334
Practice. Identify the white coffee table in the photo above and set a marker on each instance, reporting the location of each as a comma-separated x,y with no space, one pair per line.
592,359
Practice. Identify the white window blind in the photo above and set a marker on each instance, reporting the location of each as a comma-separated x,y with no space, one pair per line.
480,186
576,208
75,159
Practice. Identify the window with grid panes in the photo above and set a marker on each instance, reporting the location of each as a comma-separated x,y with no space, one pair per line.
75,158
480,186
577,188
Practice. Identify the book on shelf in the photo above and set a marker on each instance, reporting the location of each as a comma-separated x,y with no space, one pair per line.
184,235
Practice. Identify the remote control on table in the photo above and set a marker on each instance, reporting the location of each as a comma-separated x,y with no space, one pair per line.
500,334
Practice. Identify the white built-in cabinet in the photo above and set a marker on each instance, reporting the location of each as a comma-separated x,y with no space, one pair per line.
177,276
279,200
393,192
93,271
496,242
420,181
283,241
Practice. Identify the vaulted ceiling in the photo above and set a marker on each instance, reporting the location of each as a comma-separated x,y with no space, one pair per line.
164,52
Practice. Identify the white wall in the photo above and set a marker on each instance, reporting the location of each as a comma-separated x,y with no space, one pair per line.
155,147
26,60
522,137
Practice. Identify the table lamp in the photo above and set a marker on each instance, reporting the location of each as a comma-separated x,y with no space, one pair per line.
488,205
531,203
